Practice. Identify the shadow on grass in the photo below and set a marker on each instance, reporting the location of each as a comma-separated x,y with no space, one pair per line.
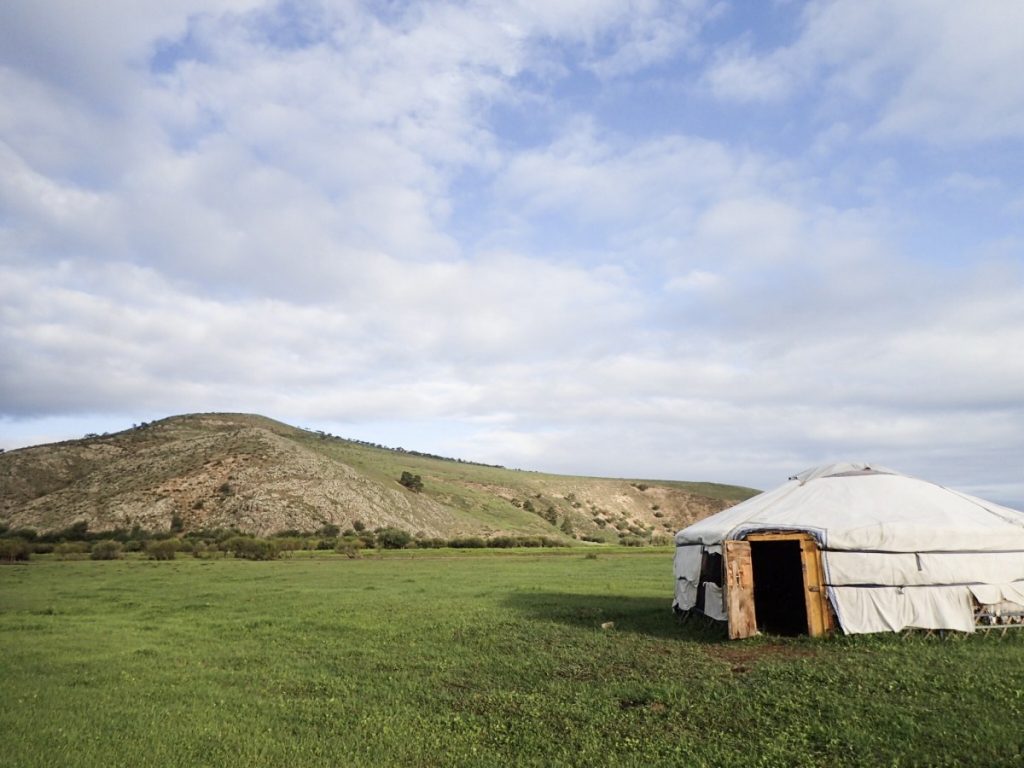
650,616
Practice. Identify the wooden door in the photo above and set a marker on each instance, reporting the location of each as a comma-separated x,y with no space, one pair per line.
739,589
819,615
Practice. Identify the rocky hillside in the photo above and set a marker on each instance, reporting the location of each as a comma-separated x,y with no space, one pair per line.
261,476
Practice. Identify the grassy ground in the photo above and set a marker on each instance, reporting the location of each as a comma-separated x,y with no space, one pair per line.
485,659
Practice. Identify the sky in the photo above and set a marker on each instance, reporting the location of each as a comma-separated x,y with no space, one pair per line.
672,240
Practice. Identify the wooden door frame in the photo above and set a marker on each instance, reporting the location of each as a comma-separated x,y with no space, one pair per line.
740,583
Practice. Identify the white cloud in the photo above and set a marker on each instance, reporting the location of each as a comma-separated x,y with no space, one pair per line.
321,217
939,71
737,75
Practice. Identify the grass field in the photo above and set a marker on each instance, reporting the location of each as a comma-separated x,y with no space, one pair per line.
486,658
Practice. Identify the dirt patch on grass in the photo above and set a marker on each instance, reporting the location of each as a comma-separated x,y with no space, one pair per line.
743,658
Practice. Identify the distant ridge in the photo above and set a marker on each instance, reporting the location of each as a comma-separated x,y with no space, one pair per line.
244,471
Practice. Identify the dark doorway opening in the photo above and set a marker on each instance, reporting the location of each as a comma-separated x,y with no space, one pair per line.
779,602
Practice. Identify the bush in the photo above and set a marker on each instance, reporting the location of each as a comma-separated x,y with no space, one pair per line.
165,549
469,542
14,550
411,481
352,548
632,541
249,548
289,543
329,531
78,531
393,538
28,534
41,547
107,549
68,549
432,543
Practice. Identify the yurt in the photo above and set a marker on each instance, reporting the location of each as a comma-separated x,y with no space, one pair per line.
854,547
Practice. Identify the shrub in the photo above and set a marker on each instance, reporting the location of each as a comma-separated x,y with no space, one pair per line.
632,541
394,538
133,545
14,550
199,549
78,531
411,481
329,531
107,549
28,534
68,549
431,543
41,547
164,549
249,548
352,548
289,543
469,542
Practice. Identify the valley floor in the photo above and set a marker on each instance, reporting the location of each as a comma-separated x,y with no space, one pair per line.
494,658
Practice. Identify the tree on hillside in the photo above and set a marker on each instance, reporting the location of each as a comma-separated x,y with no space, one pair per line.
411,481
566,527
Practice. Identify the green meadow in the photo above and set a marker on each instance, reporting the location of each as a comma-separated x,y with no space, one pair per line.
475,658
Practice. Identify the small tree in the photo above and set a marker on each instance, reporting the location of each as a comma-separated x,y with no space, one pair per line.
165,549
566,527
393,538
13,550
106,550
412,482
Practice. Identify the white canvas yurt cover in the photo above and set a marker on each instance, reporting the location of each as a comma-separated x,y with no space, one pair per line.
858,546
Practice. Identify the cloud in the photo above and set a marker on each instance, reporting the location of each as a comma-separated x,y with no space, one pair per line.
477,215
945,72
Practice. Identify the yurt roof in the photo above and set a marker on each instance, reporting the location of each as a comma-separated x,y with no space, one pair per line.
865,507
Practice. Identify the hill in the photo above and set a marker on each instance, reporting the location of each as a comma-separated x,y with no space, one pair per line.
261,476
